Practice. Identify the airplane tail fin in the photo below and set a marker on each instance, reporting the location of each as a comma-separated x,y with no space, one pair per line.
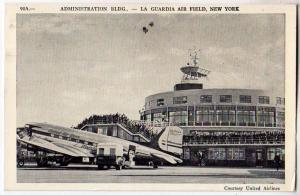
170,140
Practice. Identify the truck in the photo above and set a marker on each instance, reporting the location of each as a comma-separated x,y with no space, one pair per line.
109,155
113,155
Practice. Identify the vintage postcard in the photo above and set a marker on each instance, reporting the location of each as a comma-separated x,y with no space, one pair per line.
150,97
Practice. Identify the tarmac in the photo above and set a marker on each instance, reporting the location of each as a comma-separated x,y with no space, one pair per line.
142,174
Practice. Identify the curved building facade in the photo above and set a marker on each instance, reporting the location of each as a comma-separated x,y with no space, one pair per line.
215,107
221,126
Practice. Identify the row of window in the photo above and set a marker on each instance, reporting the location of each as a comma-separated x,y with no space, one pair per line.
230,154
238,154
223,99
231,117
73,140
103,131
222,116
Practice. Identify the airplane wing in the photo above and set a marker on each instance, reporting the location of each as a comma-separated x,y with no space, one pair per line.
144,151
57,147
69,149
164,157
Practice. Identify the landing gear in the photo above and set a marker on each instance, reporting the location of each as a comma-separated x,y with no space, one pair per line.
118,167
153,164
41,158
64,163
42,162
20,163
120,162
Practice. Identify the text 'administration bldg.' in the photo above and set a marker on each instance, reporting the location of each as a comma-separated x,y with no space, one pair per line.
234,127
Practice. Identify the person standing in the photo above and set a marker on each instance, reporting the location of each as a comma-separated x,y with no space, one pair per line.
277,161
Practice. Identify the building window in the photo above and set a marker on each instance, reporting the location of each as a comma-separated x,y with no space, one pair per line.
206,99
271,152
160,102
225,98
280,100
152,103
148,117
178,117
265,118
216,153
264,99
205,116
225,116
180,100
280,119
236,154
92,129
115,131
245,99
102,130
158,117
245,118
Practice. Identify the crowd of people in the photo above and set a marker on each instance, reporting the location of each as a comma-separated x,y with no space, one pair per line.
252,137
132,126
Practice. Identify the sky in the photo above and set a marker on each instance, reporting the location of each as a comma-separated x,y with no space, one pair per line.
70,66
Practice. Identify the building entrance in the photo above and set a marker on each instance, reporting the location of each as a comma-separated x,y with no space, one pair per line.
259,159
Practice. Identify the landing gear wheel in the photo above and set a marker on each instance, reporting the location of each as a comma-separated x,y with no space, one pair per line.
64,164
118,167
42,163
150,163
100,167
155,166
20,163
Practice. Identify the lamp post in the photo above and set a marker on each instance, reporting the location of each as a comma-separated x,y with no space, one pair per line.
194,115
168,120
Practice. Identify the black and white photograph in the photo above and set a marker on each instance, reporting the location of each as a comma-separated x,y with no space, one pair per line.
153,96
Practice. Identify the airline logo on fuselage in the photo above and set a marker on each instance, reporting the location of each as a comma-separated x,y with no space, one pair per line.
175,132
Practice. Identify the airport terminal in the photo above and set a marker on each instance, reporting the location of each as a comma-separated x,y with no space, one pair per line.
221,127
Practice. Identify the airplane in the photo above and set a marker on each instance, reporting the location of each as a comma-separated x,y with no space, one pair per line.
67,144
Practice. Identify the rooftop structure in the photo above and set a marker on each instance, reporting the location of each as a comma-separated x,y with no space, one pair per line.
191,74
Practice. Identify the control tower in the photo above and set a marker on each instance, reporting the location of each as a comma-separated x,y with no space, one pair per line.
191,73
